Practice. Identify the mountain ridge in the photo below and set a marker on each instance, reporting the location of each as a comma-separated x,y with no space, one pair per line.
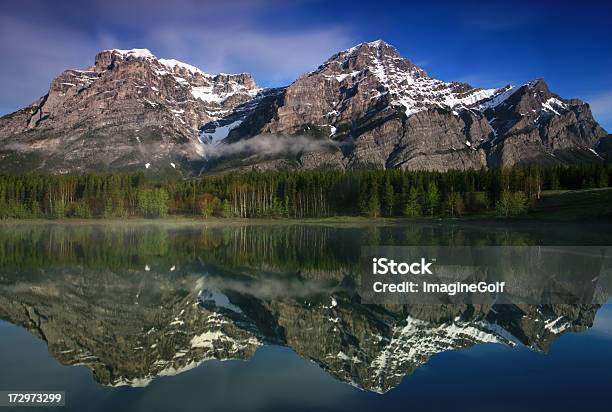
133,111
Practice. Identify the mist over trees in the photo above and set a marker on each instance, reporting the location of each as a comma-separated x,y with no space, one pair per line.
305,194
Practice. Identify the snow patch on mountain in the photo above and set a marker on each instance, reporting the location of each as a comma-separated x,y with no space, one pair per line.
554,105
219,300
136,53
219,132
557,325
498,99
173,64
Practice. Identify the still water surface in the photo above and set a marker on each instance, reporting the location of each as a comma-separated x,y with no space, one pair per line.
158,317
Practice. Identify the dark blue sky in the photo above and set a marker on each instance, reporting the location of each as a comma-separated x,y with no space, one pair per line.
487,44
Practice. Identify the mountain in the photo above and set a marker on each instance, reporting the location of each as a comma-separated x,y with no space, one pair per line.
386,112
130,110
366,106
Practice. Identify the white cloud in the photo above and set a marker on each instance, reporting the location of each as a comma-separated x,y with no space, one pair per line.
268,145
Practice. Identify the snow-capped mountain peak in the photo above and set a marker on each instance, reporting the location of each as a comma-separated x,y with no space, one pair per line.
208,88
405,84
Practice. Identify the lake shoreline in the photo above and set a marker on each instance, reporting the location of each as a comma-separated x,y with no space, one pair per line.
336,220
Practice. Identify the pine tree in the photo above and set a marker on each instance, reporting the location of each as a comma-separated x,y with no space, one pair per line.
518,203
373,206
432,197
388,196
504,204
413,206
454,204
602,178
226,209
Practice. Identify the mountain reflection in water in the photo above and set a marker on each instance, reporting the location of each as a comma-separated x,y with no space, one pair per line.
133,302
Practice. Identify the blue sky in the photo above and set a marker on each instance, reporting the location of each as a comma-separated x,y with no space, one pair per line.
487,43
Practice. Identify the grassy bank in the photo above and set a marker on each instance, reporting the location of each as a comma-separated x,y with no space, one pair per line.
572,205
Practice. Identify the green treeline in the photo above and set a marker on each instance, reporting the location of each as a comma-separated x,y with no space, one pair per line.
322,193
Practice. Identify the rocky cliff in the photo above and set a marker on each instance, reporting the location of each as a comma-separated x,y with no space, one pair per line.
129,111
383,111
366,106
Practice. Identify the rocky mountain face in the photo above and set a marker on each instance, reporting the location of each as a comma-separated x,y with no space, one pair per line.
130,110
366,106
604,148
383,111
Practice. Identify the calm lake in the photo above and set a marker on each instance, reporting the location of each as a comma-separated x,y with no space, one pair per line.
133,316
